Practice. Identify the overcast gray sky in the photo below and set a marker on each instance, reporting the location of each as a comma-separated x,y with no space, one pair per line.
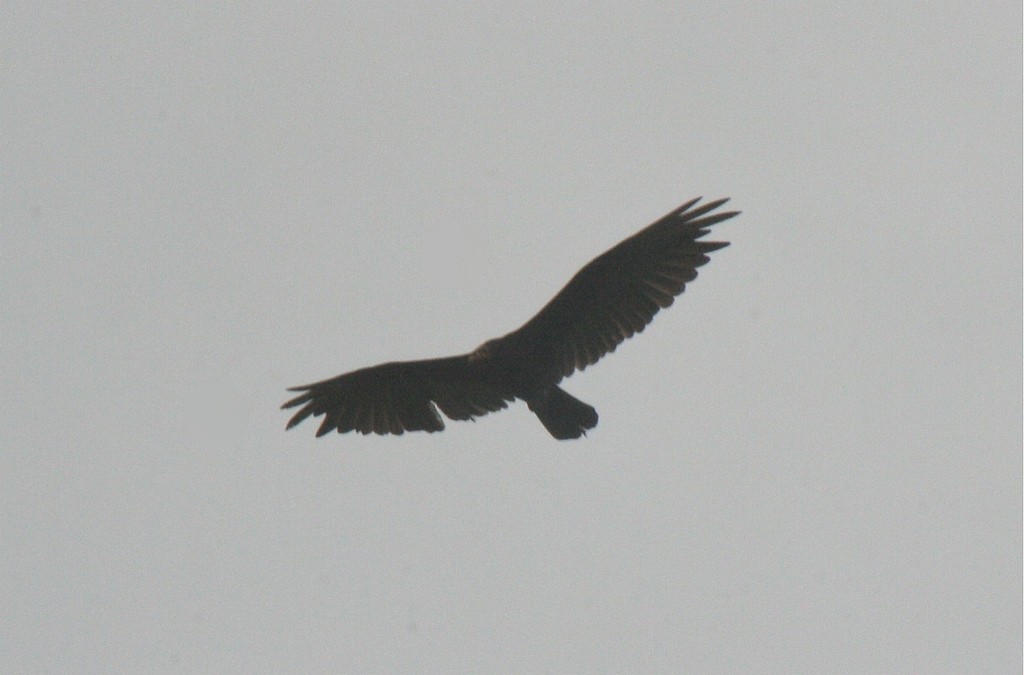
810,463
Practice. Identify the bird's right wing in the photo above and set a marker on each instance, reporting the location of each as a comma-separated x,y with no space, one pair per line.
618,293
396,397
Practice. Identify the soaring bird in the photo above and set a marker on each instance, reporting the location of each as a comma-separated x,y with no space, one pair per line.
613,297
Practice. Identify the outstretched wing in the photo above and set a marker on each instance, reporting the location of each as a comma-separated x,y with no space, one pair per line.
618,293
396,397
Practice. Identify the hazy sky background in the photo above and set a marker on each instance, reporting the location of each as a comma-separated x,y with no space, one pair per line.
810,463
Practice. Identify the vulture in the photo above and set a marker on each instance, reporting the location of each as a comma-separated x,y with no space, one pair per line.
613,297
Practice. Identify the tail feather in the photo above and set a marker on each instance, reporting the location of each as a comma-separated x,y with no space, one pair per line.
563,415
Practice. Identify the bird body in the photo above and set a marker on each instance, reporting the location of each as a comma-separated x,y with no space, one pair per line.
609,300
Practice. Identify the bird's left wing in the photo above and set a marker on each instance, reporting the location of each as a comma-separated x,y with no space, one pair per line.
396,397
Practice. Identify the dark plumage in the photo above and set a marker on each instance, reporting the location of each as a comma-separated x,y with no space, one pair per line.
613,297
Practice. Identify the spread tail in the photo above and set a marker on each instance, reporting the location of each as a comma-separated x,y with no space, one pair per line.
562,415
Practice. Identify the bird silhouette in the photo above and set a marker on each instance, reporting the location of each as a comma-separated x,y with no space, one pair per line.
609,300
